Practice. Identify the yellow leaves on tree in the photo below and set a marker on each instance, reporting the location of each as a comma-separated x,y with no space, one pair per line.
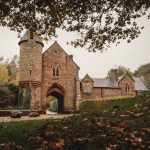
3,73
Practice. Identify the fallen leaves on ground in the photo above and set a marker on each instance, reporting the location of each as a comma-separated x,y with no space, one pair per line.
106,130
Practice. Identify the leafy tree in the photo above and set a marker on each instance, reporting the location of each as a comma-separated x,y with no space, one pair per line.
99,22
12,67
9,70
144,72
3,73
14,89
9,94
119,71
9,82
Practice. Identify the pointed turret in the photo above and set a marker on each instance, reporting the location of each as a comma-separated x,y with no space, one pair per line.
30,70
28,35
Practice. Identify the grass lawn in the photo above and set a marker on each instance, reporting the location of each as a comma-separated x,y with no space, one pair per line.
116,125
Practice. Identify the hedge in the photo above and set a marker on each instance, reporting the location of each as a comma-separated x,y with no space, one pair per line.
89,105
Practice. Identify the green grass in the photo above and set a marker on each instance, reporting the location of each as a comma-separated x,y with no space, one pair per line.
117,124
19,131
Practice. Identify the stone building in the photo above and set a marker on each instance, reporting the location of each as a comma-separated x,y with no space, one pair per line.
54,73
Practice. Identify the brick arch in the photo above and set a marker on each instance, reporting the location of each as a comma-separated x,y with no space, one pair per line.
57,91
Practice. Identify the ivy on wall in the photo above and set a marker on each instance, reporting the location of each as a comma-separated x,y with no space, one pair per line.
27,99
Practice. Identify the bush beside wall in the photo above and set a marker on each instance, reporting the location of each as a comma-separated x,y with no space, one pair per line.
89,105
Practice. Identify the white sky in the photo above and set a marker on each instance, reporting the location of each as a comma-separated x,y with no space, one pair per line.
97,64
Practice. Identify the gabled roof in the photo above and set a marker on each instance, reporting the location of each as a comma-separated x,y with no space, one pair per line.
126,73
59,47
53,45
108,83
139,84
87,77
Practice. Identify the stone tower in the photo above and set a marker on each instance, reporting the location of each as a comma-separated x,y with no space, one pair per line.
30,72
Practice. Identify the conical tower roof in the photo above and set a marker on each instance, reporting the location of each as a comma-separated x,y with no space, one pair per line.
28,36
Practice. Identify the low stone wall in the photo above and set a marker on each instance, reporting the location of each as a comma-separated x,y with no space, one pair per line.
5,113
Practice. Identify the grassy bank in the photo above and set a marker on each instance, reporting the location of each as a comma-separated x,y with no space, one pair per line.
117,124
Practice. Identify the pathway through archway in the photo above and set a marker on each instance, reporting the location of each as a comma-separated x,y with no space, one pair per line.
56,92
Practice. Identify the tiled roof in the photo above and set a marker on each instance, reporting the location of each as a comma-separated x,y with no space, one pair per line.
139,85
26,37
98,82
108,83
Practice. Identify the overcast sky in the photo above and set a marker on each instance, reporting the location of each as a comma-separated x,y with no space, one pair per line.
97,64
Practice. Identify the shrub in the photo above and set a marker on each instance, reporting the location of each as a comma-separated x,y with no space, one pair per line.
15,90
90,105
86,105
8,95
33,114
16,114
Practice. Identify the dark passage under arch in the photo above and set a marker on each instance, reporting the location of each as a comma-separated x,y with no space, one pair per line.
58,92
60,100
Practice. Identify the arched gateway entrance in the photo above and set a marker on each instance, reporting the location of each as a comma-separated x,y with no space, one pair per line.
58,92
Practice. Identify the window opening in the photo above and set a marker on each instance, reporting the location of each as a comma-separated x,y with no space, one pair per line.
30,72
55,70
127,88
88,88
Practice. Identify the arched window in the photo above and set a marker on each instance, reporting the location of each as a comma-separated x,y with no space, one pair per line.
127,88
56,70
87,88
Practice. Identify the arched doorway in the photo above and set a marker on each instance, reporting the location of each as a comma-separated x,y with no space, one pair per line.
57,91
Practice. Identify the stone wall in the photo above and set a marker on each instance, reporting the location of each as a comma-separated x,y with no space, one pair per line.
30,61
98,93
111,92
127,80
30,72
68,71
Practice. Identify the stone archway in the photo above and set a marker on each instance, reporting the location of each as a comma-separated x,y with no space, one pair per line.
58,92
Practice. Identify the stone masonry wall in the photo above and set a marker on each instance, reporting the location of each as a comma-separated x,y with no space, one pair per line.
68,71
98,93
30,61
111,92
30,71
127,79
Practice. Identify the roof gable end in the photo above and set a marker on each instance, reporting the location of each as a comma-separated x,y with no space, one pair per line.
87,78
55,46
124,75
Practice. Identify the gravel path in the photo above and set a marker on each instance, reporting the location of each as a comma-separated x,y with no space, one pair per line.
51,116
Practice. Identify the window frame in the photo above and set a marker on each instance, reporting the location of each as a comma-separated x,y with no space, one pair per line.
127,88
55,70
